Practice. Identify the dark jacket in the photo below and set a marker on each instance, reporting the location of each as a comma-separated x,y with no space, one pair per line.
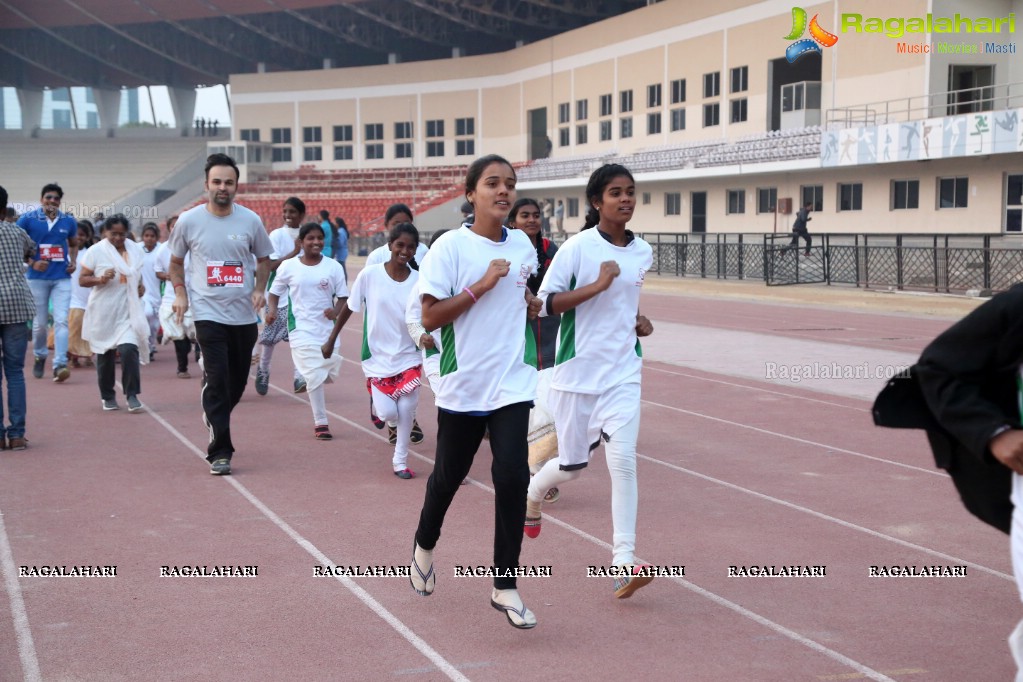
802,218
962,390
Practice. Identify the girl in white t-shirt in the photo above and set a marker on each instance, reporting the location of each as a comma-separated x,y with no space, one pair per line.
473,288
151,247
285,244
318,292
594,282
77,348
390,360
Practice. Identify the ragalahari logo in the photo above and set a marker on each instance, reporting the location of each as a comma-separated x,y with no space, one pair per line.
818,36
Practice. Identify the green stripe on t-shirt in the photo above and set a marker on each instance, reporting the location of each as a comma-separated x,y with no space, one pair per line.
566,344
448,358
529,356
639,349
366,354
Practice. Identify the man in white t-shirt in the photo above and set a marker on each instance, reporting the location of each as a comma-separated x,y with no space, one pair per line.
224,294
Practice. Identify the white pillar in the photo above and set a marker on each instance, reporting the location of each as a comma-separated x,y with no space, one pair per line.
183,105
31,102
108,106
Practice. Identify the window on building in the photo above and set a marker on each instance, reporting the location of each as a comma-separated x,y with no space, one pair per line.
564,137
375,131
625,126
375,151
403,150
905,194
739,79
605,131
625,101
465,147
572,206
736,201
312,153
712,84
653,95
250,134
280,136
678,119
678,91
580,134
605,105
435,148
850,196
564,112
1014,203
672,203
582,109
282,154
465,126
343,152
403,131
738,110
312,134
813,194
952,192
711,115
767,199
653,123
435,128
646,198
343,133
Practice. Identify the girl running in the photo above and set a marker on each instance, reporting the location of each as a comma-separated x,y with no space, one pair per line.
318,292
594,283
473,288
285,241
390,360
151,248
181,333
78,349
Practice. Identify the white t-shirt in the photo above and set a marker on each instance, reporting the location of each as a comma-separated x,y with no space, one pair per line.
414,315
162,265
312,289
597,347
382,254
149,279
221,275
387,349
79,294
283,242
483,362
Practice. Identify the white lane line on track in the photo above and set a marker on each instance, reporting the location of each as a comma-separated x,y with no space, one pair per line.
759,389
932,472
831,519
717,599
19,616
406,633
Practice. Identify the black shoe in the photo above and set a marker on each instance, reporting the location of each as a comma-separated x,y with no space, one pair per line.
61,374
220,467
417,433
38,367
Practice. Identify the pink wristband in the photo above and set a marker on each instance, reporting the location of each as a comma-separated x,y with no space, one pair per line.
471,295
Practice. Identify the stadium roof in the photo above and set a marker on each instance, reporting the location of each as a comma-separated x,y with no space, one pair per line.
185,43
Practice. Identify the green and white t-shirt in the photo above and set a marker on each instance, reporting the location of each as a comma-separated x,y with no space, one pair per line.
597,345
313,289
485,362
387,348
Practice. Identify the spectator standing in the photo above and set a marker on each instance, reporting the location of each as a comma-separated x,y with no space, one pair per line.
49,277
16,309
559,218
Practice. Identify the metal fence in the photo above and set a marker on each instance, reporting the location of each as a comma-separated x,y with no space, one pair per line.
921,262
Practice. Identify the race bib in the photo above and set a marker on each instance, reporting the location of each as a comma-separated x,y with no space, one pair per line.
51,252
220,273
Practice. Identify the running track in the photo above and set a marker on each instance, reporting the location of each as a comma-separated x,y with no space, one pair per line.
735,469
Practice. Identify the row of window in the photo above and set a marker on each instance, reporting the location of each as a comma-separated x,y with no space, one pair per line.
711,117
905,194
374,150
711,88
373,131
